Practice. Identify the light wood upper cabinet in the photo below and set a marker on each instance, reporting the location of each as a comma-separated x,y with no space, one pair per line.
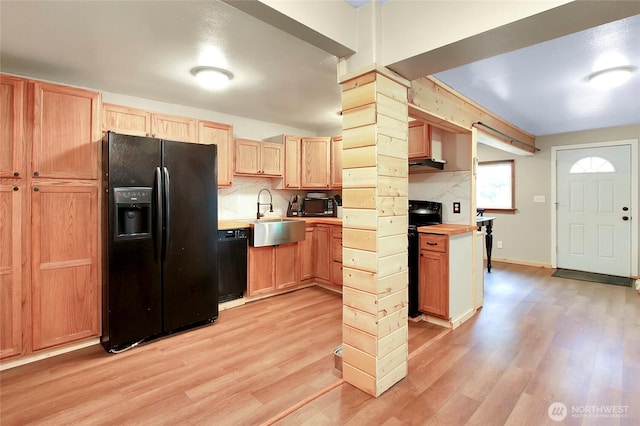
258,158
12,92
419,140
292,162
315,163
11,202
221,135
174,128
336,162
64,266
137,122
66,132
125,120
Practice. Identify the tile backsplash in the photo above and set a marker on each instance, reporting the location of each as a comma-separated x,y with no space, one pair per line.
239,201
444,187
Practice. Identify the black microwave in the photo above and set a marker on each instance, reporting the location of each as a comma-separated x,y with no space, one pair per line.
319,207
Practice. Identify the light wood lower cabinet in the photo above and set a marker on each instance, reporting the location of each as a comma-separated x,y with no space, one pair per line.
306,255
318,258
336,255
273,268
65,268
11,285
434,275
322,253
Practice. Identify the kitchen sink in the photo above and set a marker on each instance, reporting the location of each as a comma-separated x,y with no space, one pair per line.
274,231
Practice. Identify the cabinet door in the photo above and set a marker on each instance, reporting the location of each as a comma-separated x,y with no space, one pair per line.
336,162
65,266
11,203
174,128
286,266
419,140
221,135
322,255
261,270
127,121
316,162
306,255
11,126
291,162
66,132
271,159
247,157
434,283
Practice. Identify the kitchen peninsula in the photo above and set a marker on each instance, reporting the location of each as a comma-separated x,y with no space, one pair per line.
446,275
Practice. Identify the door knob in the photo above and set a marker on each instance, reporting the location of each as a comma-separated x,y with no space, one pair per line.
624,209
625,217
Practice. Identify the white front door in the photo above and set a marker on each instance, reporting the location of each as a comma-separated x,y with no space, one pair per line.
593,200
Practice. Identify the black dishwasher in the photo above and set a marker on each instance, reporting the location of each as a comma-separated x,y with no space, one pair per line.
232,273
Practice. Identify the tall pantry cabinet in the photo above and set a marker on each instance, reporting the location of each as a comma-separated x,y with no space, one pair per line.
49,221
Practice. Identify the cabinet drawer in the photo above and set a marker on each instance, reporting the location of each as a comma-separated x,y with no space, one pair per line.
433,242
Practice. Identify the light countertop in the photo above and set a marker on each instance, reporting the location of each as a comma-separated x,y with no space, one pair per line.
447,229
242,223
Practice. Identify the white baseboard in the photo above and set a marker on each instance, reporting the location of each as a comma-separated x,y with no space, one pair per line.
455,323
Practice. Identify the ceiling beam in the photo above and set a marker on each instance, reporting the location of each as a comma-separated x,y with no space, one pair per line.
308,21
436,103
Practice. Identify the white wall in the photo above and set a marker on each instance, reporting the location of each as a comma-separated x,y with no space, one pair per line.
239,201
526,235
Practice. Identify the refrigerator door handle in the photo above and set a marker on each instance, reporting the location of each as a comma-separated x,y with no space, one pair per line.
157,241
167,213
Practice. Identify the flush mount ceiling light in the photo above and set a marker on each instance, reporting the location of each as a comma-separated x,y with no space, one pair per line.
212,77
610,77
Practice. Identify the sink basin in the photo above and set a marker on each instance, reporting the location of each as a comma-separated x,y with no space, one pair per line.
274,231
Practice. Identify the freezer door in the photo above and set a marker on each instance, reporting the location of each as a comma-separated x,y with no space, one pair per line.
132,302
190,269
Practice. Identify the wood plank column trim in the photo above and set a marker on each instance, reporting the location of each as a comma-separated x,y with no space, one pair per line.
375,188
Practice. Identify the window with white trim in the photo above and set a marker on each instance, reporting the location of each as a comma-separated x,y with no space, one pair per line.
495,186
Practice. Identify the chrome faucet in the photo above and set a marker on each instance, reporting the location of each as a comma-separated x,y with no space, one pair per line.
258,214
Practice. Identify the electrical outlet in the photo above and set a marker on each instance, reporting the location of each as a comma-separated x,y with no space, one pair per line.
456,206
499,244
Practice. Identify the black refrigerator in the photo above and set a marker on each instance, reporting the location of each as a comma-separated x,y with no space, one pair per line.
160,272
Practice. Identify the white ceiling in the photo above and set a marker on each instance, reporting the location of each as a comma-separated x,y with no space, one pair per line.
543,88
147,49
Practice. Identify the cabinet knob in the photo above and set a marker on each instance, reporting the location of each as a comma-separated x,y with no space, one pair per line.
36,173
16,174
15,188
36,189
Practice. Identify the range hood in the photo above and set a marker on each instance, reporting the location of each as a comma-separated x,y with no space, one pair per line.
426,165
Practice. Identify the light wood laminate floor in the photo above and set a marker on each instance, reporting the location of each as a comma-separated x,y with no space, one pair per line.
538,340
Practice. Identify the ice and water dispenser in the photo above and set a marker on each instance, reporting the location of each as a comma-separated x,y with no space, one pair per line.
132,212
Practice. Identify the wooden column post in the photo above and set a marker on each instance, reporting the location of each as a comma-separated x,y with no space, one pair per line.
375,184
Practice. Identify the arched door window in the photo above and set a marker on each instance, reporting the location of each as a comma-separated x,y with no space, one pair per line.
592,165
